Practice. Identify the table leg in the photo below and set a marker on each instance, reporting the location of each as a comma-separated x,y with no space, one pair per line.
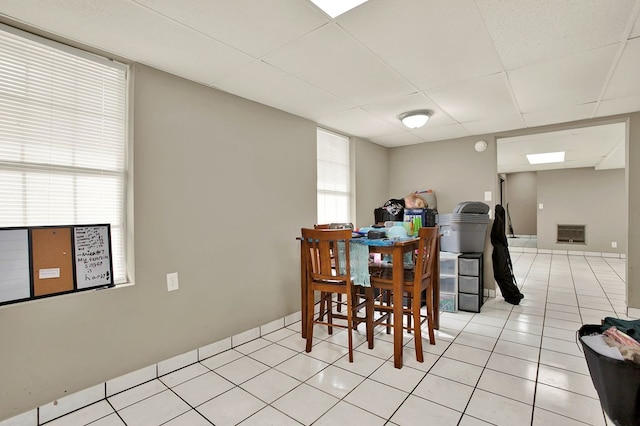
303,293
398,277
436,288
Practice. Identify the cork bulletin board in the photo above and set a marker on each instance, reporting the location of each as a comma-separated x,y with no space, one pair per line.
44,261
52,260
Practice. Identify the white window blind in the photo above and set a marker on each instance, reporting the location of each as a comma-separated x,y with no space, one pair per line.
62,138
333,178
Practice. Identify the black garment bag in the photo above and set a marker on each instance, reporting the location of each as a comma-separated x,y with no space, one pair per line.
502,267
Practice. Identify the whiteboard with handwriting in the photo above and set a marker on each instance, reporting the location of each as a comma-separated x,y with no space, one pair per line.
93,256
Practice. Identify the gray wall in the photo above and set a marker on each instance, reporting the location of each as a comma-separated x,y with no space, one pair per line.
219,200
633,209
521,195
594,198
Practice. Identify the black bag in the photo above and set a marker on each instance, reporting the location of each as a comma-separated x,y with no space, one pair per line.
617,382
382,215
502,267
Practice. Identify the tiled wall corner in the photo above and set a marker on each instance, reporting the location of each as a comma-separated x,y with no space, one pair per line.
132,379
177,362
245,337
633,312
611,255
30,418
214,348
272,326
70,403
487,292
293,318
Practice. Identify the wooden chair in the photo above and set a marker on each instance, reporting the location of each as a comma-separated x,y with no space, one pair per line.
416,280
326,256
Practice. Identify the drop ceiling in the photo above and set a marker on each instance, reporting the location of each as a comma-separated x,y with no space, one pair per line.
483,66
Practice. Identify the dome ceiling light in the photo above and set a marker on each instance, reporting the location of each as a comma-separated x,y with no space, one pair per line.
415,119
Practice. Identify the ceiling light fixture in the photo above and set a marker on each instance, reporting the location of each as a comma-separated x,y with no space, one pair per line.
547,157
335,8
415,119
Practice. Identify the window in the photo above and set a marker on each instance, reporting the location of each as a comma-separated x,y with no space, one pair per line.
62,138
334,196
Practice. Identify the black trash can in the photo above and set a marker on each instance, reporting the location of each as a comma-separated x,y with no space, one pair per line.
617,382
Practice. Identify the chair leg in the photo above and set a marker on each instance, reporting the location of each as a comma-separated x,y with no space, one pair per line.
328,299
369,294
430,315
309,319
349,324
417,332
387,301
408,306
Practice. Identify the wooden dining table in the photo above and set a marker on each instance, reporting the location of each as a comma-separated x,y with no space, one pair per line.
396,249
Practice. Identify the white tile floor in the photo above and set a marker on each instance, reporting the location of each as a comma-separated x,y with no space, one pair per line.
508,365
528,241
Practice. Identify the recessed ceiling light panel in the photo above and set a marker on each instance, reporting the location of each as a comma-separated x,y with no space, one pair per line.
335,8
547,157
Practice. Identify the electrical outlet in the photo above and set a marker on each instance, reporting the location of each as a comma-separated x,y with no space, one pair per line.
487,195
172,281
540,206
614,244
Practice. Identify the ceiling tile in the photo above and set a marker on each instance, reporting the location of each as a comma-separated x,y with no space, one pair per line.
357,122
495,125
635,31
254,27
361,78
615,159
397,139
432,134
571,80
618,106
479,99
527,32
265,84
626,78
431,43
559,115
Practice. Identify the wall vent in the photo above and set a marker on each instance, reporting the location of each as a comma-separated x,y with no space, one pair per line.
571,234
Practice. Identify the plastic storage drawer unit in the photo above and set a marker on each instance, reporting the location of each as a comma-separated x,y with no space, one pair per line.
470,282
448,282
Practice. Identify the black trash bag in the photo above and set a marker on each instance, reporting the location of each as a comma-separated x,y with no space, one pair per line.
502,267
